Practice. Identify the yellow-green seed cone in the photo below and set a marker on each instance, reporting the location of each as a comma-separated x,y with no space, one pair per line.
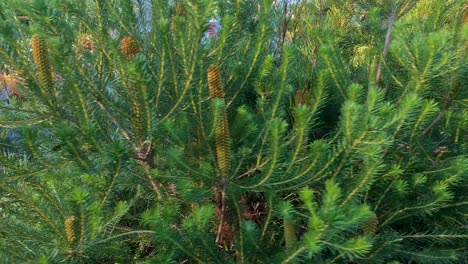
289,233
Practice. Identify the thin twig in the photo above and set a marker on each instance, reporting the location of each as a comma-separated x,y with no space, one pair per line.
388,37
252,170
284,29
145,158
155,186
432,125
124,133
407,8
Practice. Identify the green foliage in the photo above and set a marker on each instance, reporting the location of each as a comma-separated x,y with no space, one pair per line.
337,115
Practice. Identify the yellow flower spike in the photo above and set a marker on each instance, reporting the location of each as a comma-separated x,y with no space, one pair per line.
222,131
41,60
129,47
214,82
69,228
289,233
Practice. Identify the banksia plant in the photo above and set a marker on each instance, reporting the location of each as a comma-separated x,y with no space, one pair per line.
222,131
153,156
69,228
129,47
41,60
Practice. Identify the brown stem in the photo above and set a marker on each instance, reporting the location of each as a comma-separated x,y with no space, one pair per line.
112,118
221,204
146,159
155,187
432,125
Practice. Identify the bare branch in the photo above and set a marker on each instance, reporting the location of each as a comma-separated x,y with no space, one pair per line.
111,117
407,8
432,125
388,37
